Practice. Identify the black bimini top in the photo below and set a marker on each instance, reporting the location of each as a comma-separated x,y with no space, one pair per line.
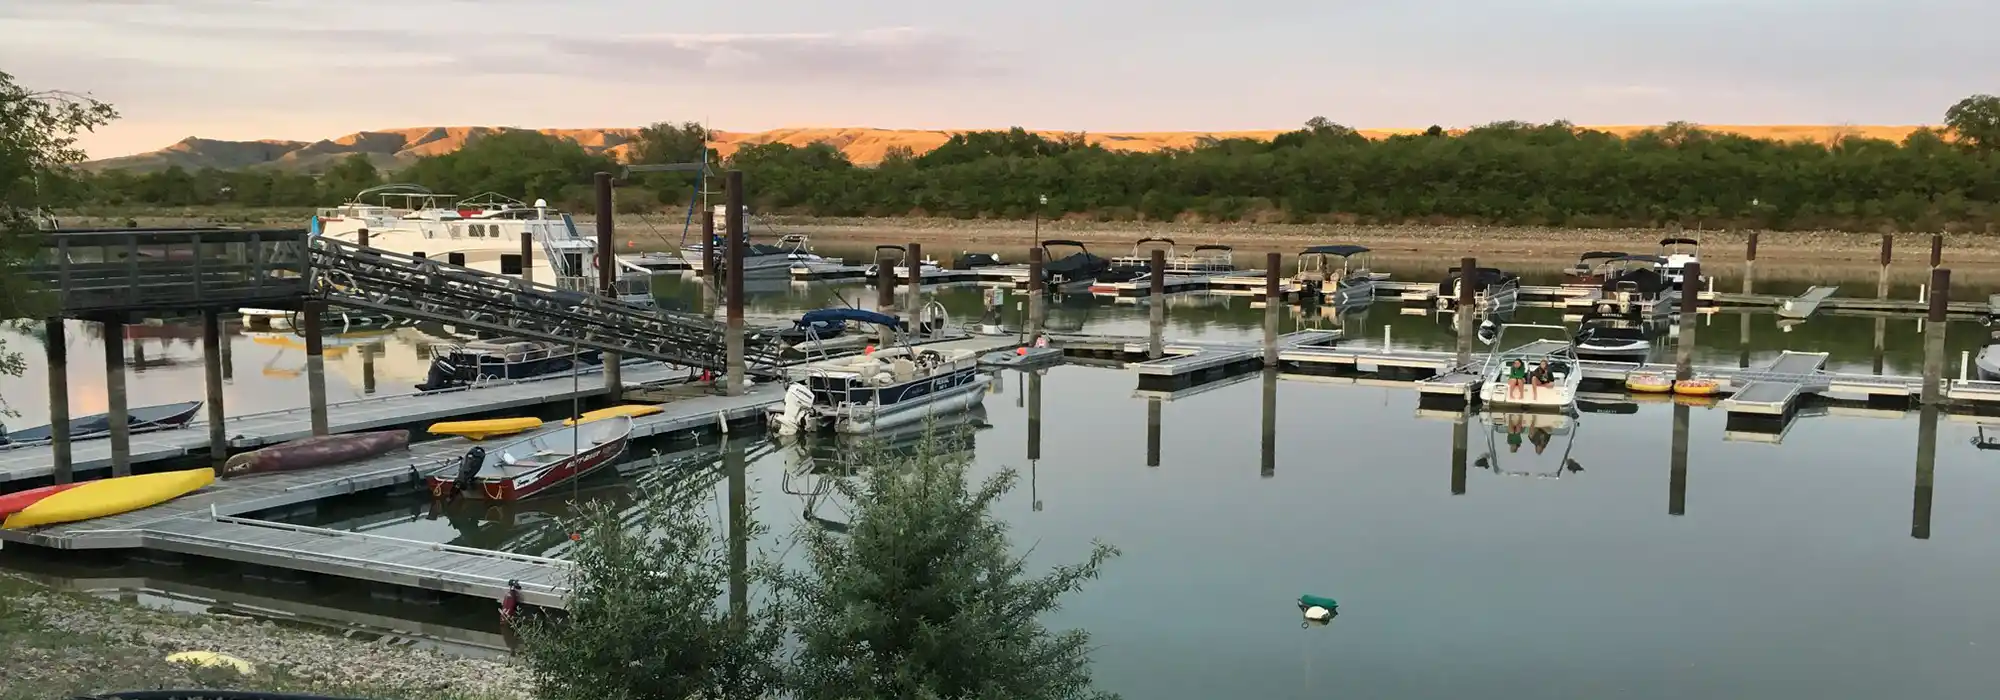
1601,254
1679,241
1342,250
1655,259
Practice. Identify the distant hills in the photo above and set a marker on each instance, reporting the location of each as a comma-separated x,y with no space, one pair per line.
397,148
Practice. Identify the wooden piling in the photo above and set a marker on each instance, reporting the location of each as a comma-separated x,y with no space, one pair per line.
885,296
1937,250
311,314
733,225
1157,315
528,257
211,363
1684,346
913,261
1273,298
114,388
361,237
1467,279
1037,289
1934,336
607,274
1882,281
55,345
1750,264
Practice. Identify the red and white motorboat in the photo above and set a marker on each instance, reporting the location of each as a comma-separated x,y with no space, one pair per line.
535,464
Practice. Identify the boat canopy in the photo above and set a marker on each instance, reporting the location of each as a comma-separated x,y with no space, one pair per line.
1211,246
845,315
1342,250
1679,241
1654,259
1058,241
1601,255
1155,239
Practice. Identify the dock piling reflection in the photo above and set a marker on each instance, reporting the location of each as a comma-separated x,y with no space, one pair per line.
1920,502
1677,480
1270,434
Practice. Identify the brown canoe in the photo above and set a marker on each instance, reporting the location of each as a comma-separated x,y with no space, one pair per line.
314,452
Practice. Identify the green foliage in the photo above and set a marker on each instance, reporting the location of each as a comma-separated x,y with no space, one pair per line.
923,596
1503,173
1976,119
644,619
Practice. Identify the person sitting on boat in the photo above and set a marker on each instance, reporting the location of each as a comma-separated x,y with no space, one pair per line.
1541,377
1517,376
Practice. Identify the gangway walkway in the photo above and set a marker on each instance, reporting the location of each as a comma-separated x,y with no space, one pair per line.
350,275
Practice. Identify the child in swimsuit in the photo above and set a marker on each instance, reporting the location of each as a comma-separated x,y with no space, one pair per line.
1517,377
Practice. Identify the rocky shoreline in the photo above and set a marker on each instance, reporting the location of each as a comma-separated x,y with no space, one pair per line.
55,644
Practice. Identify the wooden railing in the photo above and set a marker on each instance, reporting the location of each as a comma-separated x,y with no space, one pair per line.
122,270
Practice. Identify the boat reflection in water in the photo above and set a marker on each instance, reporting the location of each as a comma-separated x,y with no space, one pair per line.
822,461
1530,428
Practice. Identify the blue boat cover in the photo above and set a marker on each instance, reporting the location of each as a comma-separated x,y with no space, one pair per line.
845,315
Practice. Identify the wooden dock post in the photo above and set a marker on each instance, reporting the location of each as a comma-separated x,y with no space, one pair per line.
1036,290
211,364
361,237
1684,345
1467,275
528,257
55,345
607,274
1153,408
914,278
1937,250
1934,332
311,316
1273,264
1920,499
1750,264
1888,253
1157,326
1269,468
1460,445
1677,469
368,355
885,297
733,298
114,388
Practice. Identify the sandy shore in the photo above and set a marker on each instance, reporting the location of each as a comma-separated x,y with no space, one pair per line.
55,644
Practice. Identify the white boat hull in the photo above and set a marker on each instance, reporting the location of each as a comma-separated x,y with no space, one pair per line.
1640,349
1547,397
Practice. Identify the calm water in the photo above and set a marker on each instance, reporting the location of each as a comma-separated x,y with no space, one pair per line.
1786,570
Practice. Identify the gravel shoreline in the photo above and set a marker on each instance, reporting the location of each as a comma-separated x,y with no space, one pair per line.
54,644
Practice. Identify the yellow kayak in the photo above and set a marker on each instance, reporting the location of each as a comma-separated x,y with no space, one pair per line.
482,429
633,410
103,497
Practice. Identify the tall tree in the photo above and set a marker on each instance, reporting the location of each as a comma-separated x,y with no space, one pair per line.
1976,119
923,596
38,130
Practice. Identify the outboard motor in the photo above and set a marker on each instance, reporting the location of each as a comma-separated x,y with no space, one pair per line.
468,470
441,376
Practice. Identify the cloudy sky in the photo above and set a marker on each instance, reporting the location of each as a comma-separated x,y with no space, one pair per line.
305,69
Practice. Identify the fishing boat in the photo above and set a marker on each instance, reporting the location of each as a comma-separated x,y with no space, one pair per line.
1337,273
314,452
888,387
898,257
973,261
1494,291
1065,270
139,420
1022,358
533,465
106,497
758,258
499,359
1556,391
1678,253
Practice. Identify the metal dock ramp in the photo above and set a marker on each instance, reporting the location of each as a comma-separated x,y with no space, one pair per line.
1805,305
1773,390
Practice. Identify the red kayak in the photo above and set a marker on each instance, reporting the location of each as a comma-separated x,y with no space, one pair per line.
16,502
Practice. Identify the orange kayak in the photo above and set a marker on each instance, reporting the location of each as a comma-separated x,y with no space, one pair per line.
15,502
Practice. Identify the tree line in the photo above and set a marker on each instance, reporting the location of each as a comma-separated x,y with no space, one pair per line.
1509,173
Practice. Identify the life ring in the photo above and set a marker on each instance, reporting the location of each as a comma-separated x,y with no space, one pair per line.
1696,387
1648,384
